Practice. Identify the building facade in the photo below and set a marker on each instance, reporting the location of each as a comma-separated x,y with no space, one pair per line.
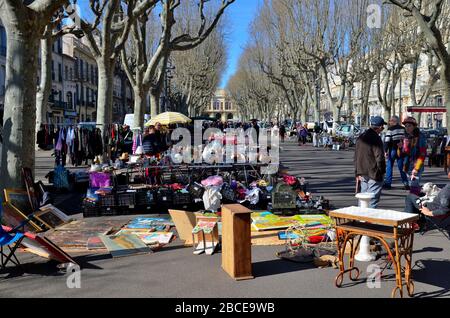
74,91
222,106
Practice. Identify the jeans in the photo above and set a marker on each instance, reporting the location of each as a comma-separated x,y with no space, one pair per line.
415,184
411,205
371,186
392,157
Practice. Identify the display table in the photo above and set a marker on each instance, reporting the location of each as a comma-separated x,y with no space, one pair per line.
383,225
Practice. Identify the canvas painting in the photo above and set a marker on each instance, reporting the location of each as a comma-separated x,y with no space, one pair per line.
95,243
20,200
146,222
313,220
156,238
52,216
268,221
124,245
13,217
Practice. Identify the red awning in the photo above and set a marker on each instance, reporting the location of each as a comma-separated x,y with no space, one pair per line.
415,109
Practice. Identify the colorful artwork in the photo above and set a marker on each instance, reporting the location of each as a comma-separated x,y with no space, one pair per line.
288,236
156,238
268,221
206,226
313,220
52,216
95,243
150,222
13,217
124,245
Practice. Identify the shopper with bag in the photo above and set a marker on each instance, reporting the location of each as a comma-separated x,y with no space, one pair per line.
415,152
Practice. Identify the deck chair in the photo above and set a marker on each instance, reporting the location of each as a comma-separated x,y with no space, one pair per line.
440,223
10,240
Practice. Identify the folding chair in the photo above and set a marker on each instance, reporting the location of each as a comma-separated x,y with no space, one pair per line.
11,239
439,223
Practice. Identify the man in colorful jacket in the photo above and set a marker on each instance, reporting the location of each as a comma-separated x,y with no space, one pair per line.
415,153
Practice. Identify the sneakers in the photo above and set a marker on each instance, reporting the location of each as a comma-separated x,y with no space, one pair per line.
406,187
387,187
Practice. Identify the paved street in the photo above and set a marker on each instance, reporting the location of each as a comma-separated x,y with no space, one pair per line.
175,272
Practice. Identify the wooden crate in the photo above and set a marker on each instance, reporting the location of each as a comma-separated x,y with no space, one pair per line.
236,242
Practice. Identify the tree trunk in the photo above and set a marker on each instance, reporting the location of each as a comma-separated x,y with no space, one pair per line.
19,120
140,105
446,82
45,85
154,103
351,119
105,101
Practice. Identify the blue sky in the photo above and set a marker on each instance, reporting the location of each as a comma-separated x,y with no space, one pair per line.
240,15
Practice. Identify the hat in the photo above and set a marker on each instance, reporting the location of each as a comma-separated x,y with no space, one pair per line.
410,120
377,121
125,156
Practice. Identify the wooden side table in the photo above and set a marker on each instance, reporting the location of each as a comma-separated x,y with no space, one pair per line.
383,226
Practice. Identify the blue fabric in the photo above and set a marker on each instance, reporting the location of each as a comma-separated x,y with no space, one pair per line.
390,165
6,239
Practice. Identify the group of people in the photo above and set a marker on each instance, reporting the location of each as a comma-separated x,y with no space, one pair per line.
405,144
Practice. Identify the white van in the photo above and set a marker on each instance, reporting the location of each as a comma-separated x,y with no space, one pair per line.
129,120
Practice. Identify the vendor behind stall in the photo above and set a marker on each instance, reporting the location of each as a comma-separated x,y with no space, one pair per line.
151,142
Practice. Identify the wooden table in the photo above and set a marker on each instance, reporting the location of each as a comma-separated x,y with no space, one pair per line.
382,225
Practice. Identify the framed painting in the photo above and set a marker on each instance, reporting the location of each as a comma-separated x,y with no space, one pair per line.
20,200
13,217
51,216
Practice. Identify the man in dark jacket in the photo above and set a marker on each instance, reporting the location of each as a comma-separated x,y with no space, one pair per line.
370,164
150,142
392,146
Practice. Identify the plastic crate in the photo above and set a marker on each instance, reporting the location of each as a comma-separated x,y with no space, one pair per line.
111,211
126,199
144,198
196,190
265,195
180,198
107,200
90,209
164,196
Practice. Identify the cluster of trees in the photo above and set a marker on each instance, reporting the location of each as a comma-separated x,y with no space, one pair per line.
299,50
141,34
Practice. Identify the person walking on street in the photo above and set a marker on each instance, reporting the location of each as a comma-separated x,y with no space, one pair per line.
302,134
393,145
370,163
282,133
415,153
